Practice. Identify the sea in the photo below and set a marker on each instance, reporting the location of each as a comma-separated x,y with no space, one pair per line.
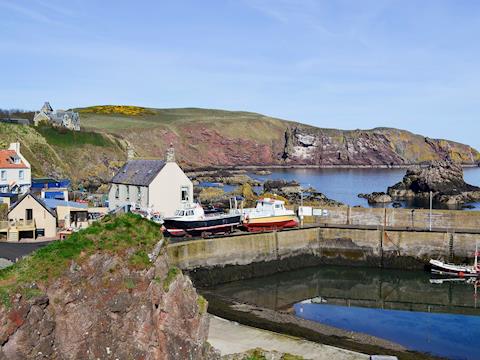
344,185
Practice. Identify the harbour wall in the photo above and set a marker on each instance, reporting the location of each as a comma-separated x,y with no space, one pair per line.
410,218
250,255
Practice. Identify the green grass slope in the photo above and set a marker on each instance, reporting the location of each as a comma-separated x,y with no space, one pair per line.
84,157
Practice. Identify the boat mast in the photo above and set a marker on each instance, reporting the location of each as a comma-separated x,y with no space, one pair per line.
475,265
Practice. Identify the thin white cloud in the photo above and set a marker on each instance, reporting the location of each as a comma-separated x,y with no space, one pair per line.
61,10
26,12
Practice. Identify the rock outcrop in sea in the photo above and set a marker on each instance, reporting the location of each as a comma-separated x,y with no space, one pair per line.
295,194
443,178
108,293
376,198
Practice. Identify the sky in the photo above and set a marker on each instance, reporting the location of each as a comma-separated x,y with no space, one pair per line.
410,64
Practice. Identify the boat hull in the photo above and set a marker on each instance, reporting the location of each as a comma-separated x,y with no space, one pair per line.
223,224
270,223
444,269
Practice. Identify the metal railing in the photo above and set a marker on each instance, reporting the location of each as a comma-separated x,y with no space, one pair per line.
7,224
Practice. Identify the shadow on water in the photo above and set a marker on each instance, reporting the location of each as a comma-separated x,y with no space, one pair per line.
407,307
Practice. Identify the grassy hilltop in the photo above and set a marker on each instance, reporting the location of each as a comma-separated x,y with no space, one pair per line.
204,137
218,137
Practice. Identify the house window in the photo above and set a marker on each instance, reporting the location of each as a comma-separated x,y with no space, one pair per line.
28,214
21,175
4,175
117,192
139,194
185,194
128,193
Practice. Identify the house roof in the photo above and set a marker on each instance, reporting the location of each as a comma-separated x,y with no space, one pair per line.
54,203
40,201
138,172
7,160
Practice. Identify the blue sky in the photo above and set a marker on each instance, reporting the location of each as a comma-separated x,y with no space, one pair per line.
411,64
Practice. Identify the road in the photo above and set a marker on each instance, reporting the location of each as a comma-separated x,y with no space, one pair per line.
13,251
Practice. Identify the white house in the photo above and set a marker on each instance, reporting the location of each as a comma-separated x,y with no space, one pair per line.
15,171
152,185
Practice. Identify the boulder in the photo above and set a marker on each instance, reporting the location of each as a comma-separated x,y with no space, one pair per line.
443,178
377,198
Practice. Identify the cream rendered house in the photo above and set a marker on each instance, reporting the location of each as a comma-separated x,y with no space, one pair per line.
30,218
156,186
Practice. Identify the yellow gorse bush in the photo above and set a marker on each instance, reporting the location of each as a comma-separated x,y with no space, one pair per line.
118,109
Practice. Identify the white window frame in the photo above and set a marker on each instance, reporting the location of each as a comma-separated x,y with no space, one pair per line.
21,174
187,193
4,175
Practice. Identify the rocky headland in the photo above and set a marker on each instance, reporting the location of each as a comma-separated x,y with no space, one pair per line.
215,138
443,178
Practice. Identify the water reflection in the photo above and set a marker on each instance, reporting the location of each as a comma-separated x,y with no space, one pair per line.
365,287
435,315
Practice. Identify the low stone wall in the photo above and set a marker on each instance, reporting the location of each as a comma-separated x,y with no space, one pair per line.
299,248
412,218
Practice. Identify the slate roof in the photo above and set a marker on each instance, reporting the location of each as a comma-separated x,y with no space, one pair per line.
138,172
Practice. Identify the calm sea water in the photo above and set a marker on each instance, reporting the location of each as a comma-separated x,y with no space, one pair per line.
406,307
344,185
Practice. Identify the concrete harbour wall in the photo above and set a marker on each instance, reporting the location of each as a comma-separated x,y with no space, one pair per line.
328,245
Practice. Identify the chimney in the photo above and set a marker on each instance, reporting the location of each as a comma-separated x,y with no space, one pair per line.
15,146
130,153
170,157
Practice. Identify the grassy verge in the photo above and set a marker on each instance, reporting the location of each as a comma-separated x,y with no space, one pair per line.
112,234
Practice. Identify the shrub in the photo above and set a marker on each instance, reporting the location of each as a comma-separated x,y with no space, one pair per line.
173,272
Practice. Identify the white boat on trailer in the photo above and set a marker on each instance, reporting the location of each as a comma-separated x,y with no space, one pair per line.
441,268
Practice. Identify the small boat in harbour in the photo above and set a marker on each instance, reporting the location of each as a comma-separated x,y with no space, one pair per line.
445,269
269,214
193,221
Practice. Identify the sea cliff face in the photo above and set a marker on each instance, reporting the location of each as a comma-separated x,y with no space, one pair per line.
205,137
377,147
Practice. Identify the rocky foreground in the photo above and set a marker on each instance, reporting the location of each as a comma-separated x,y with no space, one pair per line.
106,293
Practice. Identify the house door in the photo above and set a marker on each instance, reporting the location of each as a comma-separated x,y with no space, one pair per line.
29,214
